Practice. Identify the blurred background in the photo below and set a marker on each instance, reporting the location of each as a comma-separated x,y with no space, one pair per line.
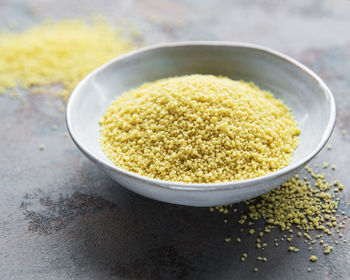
61,218
290,26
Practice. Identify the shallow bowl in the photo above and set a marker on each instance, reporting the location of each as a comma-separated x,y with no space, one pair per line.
309,99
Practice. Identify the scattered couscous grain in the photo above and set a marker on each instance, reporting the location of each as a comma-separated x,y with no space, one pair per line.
313,258
293,249
41,147
306,204
199,129
328,249
57,53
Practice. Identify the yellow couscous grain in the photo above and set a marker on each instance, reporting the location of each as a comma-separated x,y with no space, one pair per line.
199,129
328,249
313,258
293,249
57,53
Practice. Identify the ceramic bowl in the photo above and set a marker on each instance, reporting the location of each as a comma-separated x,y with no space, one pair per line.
309,99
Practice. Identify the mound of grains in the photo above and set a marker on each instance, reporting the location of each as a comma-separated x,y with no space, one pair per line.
57,53
307,207
199,129
297,202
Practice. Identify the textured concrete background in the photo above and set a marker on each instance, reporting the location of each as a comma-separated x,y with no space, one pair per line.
61,218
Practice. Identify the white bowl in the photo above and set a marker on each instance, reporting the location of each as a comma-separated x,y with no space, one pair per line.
310,100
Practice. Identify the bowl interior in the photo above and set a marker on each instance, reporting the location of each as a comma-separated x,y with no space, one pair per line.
305,96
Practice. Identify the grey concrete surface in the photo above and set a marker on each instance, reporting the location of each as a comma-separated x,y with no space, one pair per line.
61,218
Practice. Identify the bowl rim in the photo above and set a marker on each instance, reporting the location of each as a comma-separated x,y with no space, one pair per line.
205,186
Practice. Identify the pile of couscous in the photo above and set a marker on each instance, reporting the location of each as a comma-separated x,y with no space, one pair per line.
303,208
57,53
199,129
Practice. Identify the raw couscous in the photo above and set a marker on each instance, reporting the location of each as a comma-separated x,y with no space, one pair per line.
199,129
57,53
